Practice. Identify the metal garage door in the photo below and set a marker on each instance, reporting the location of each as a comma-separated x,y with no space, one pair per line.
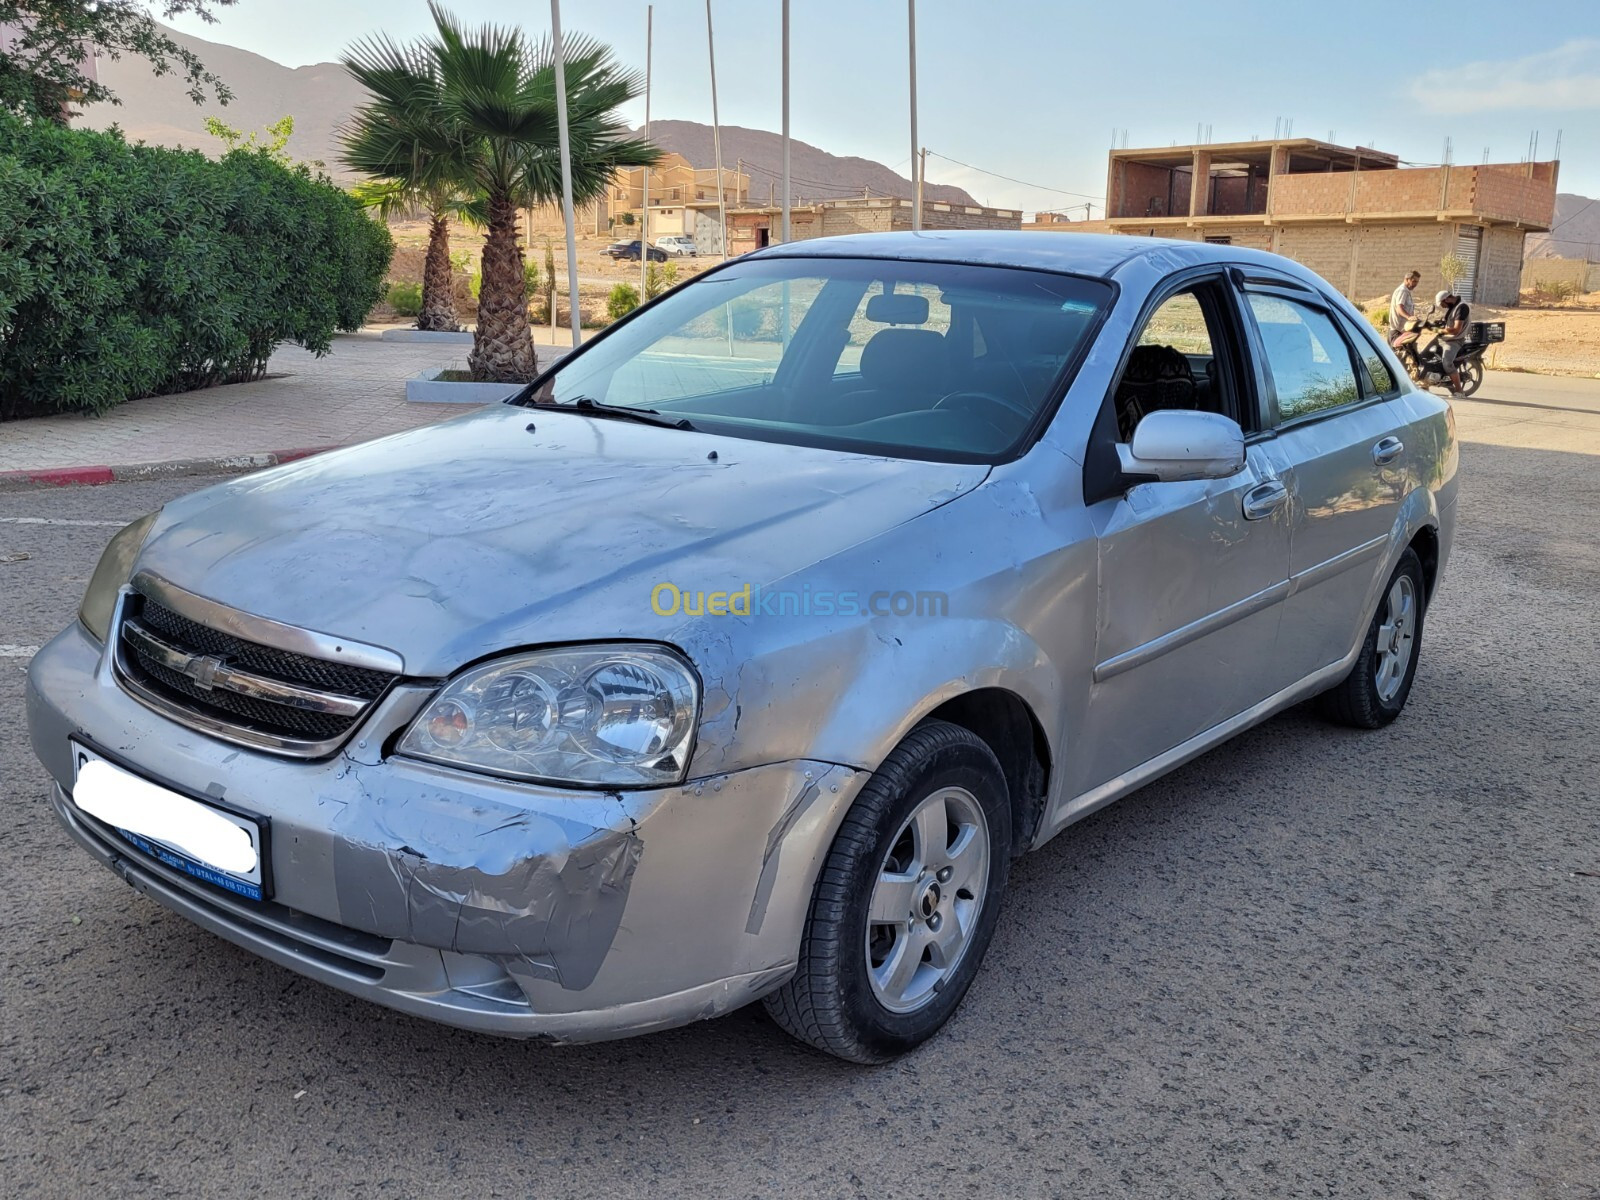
1469,240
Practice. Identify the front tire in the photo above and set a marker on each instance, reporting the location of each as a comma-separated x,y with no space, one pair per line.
1375,691
906,902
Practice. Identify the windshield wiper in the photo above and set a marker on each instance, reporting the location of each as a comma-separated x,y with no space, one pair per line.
644,416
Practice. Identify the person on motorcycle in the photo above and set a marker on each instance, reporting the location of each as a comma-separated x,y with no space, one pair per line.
1452,334
1403,311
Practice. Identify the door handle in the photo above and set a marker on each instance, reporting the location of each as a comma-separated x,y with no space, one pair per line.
1386,451
1265,499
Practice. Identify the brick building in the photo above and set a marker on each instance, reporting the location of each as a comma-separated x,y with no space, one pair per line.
751,228
1352,214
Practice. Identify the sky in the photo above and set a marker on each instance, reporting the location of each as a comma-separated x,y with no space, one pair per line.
1019,100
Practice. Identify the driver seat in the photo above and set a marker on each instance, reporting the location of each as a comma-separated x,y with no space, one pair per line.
902,370
1156,378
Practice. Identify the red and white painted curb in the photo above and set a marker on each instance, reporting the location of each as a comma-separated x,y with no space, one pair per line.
224,464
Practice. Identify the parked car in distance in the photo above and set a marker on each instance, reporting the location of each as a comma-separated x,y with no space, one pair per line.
630,251
680,245
738,657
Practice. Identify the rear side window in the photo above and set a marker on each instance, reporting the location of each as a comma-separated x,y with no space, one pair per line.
1306,356
1379,379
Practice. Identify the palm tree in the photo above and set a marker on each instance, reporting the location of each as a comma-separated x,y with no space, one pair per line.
478,109
397,138
390,198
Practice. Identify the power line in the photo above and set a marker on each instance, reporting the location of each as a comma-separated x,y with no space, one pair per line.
1011,179
1575,215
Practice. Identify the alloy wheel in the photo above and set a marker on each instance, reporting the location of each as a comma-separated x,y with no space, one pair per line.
1397,634
926,899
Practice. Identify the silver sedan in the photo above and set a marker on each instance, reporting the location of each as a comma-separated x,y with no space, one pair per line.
739,656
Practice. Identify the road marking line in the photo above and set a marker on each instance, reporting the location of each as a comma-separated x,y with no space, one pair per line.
18,651
58,521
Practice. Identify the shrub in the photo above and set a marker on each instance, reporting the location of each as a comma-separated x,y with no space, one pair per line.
1379,316
1554,291
130,271
658,278
623,300
405,298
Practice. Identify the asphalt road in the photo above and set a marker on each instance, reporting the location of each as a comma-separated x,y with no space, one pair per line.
1314,963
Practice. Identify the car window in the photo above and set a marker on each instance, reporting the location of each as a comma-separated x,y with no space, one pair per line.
1306,356
1376,375
931,360
1173,363
1179,323
728,348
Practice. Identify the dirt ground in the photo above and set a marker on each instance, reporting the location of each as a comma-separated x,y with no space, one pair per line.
1558,339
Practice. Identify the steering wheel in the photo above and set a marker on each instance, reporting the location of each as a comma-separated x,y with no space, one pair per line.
962,399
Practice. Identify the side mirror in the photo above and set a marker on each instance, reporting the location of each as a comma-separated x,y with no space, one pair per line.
1179,444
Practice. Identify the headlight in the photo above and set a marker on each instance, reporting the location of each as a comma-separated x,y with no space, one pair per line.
603,716
116,564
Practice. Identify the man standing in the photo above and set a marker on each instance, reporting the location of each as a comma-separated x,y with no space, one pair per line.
1452,334
1403,311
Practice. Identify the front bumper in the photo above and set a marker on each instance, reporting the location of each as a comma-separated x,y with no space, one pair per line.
513,909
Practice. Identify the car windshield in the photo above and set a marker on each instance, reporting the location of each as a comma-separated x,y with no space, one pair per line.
940,361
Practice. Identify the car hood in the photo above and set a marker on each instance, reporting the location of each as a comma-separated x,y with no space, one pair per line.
514,527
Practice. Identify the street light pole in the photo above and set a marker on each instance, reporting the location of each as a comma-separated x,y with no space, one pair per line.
785,120
716,133
566,174
644,197
916,145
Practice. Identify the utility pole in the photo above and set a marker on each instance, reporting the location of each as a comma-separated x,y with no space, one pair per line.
916,204
716,133
566,171
644,197
786,124
922,174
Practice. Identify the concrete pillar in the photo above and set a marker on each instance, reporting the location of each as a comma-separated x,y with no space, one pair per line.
1277,164
1200,185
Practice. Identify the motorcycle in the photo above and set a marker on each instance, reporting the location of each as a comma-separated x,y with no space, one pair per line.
1424,362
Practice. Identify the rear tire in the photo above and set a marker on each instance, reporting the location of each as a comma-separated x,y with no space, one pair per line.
906,901
1471,377
1375,691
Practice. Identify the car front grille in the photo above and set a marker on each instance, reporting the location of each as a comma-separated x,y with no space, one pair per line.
239,689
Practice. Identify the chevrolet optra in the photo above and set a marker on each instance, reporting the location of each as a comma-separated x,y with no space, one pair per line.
739,655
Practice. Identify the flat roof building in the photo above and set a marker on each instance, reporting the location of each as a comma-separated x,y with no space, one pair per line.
1357,216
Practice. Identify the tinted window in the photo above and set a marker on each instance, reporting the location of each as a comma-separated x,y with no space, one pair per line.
1306,357
928,360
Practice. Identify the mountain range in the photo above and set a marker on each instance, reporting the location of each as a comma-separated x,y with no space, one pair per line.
156,109
1575,232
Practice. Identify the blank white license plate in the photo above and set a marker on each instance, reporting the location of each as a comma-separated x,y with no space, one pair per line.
222,847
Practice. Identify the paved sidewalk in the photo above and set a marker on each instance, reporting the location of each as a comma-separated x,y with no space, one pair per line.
355,393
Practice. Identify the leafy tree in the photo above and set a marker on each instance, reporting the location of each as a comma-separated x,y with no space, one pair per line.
278,135
1452,269
479,108
46,68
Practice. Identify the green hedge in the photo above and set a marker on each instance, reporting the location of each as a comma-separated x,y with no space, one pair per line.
130,271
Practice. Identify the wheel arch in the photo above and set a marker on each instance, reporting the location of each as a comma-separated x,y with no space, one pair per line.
1009,727
1426,543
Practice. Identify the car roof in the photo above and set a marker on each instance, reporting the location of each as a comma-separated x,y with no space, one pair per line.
1100,255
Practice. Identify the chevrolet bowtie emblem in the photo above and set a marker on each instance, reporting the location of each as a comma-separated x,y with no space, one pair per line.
202,671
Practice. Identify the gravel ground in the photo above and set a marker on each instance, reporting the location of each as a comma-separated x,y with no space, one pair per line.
1313,963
